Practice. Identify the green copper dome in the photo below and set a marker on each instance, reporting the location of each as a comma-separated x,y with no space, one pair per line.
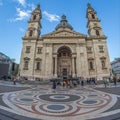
64,24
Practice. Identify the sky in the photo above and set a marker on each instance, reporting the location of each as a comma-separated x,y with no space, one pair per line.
14,15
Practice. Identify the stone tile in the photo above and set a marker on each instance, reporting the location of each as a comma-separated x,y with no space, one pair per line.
61,104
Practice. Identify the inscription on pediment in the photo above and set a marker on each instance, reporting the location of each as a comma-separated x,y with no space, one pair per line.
64,34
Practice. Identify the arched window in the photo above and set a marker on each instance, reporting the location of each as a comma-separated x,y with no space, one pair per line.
97,33
34,17
31,33
93,16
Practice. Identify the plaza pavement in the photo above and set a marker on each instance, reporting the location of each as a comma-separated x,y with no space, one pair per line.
40,102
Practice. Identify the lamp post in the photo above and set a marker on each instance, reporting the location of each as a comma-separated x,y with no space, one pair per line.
110,75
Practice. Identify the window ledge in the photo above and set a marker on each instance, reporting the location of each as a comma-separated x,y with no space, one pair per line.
104,68
37,69
101,51
25,68
90,52
91,69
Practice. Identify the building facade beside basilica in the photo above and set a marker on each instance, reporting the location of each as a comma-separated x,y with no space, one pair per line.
64,53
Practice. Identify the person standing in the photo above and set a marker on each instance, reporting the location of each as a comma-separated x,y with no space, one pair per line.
105,82
82,83
14,80
54,85
115,81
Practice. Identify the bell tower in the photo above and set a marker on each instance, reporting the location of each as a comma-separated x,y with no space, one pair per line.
93,24
34,24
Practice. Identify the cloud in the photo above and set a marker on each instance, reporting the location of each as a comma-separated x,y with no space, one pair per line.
51,17
32,6
22,2
1,3
22,14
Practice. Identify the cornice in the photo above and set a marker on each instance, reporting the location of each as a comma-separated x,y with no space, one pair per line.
30,38
96,37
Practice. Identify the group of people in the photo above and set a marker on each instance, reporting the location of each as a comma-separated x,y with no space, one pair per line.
74,83
108,81
65,84
70,83
91,81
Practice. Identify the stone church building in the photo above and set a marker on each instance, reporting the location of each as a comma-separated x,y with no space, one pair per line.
64,52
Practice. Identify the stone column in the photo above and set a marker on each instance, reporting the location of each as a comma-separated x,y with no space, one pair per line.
55,66
73,67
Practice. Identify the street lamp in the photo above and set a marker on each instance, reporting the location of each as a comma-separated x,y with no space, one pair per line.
110,74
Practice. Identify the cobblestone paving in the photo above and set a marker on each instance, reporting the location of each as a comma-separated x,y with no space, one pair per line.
62,104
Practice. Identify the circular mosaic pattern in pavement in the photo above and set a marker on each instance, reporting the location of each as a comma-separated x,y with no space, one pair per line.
71,104
26,99
59,97
56,107
91,102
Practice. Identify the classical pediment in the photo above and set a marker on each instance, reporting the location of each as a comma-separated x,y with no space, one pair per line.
64,33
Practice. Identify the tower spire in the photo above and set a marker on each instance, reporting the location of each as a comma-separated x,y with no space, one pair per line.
38,6
89,5
93,24
34,24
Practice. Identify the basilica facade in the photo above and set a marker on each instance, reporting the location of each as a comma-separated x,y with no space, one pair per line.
64,52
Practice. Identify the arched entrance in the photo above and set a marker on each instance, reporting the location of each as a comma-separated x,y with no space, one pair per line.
64,65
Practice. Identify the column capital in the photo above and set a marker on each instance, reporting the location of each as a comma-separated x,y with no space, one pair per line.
54,55
74,55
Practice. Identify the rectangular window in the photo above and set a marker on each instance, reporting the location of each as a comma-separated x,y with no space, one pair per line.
103,62
89,49
26,65
91,64
39,50
28,49
31,33
101,50
38,66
